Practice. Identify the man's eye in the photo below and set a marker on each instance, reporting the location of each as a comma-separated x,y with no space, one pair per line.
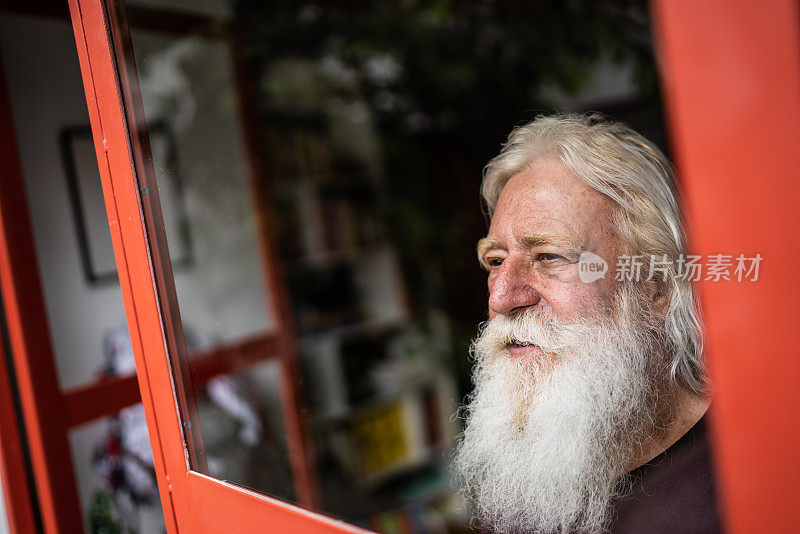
550,257
493,262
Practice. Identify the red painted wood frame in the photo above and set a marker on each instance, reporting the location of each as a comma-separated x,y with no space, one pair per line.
192,502
731,71
13,476
19,511
47,412
40,397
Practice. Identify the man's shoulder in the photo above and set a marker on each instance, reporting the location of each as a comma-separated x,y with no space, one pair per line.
673,493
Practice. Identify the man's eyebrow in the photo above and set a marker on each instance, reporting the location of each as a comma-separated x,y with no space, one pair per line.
532,240
485,245
549,238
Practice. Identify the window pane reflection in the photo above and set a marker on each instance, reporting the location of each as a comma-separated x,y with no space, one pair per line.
358,134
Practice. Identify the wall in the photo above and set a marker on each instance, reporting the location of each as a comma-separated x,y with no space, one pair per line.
3,519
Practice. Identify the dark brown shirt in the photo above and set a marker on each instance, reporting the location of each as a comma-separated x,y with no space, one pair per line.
674,493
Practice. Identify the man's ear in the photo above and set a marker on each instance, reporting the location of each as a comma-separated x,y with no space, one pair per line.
660,292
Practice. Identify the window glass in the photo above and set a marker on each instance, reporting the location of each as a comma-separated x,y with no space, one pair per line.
319,165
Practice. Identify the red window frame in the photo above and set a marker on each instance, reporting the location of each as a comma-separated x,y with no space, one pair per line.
40,398
191,501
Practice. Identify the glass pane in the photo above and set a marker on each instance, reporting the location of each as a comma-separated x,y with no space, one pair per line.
243,429
211,221
330,156
209,214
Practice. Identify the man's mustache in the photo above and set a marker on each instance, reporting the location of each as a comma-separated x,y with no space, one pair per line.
531,327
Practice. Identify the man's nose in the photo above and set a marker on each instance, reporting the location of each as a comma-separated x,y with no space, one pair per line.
512,289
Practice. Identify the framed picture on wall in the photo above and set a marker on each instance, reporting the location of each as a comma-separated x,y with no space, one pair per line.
88,206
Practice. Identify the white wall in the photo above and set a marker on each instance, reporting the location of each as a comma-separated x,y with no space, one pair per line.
3,520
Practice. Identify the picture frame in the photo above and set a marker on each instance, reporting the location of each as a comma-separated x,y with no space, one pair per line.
88,206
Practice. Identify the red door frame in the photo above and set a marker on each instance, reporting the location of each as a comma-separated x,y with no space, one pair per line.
13,476
40,396
191,501
14,479
731,73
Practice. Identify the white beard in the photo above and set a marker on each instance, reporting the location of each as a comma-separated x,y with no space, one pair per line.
548,442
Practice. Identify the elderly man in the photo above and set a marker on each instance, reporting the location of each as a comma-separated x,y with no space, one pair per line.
590,393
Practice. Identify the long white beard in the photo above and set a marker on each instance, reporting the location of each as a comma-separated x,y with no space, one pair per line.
547,442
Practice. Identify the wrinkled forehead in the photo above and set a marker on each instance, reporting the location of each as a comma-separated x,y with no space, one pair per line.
547,197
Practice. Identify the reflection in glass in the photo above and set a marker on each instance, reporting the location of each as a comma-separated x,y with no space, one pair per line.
188,92
329,159
211,223
376,398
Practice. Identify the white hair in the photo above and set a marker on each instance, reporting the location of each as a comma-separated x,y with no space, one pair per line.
618,162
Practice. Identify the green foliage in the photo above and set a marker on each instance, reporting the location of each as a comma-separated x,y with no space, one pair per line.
443,65
102,518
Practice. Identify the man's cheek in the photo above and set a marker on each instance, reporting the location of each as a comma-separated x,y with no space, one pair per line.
570,301
566,274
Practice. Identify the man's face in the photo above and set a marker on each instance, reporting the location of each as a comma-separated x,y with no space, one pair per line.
545,218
